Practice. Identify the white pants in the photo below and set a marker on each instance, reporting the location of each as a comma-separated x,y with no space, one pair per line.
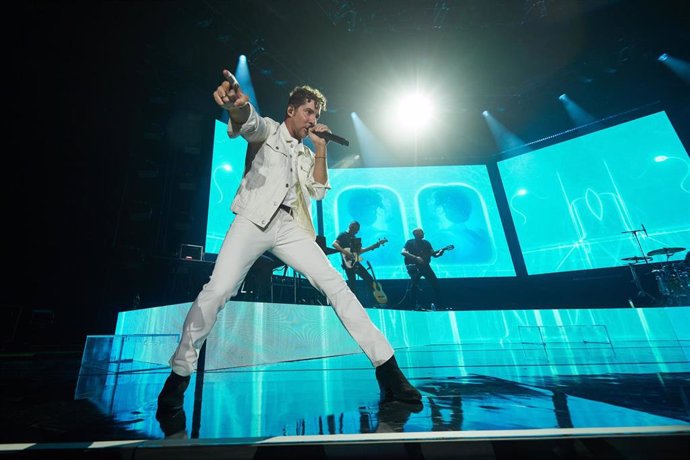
243,245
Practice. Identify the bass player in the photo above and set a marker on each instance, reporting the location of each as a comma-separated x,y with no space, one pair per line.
350,248
418,253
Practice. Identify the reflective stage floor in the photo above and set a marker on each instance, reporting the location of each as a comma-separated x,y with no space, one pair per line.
488,402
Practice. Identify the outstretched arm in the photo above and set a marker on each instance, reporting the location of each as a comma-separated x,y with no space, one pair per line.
373,246
440,252
229,96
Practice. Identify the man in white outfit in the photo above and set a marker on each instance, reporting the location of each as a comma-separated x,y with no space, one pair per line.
272,208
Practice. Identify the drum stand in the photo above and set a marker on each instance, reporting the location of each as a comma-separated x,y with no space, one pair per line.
641,293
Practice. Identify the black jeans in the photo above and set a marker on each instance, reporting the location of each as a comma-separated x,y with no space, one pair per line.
358,270
417,272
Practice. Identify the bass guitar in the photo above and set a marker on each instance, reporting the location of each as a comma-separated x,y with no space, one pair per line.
440,252
427,258
349,262
379,295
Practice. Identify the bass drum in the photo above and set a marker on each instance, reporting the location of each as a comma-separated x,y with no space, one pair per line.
673,282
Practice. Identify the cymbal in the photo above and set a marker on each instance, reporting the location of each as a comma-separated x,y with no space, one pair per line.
636,258
665,251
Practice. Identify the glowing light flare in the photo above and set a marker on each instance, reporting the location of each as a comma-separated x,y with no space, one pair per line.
414,111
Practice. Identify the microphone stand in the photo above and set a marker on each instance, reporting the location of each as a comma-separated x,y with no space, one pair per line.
636,280
639,245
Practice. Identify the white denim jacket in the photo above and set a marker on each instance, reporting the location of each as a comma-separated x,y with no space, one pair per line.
267,173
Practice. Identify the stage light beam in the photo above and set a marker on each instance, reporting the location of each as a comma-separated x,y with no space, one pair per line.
678,66
505,139
577,114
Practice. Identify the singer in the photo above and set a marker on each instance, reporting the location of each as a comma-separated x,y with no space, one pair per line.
272,207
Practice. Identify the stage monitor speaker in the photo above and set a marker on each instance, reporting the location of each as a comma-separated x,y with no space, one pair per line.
191,252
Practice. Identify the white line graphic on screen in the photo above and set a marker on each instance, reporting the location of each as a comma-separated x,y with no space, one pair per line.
225,167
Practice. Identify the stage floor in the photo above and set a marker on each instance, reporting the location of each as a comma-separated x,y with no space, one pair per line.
592,401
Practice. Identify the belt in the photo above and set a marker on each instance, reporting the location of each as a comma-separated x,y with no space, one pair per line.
286,208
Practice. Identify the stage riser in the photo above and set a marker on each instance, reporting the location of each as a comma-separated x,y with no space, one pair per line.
248,333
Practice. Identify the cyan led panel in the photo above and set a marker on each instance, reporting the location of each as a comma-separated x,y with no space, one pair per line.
572,202
454,205
227,169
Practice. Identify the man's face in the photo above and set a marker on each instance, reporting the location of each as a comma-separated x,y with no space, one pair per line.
301,119
418,233
354,228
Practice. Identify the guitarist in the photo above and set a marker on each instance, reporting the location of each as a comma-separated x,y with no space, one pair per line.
418,253
349,246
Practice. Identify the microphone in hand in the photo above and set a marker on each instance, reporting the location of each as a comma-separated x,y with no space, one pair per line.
332,137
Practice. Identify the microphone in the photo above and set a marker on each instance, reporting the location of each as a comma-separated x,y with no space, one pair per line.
332,137
644,230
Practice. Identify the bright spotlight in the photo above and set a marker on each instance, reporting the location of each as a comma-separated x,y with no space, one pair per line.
562,97
522,192
414,111
485,113
663,57
660,158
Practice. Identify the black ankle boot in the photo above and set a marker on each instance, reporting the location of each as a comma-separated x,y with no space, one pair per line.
173,423
171,396
394,385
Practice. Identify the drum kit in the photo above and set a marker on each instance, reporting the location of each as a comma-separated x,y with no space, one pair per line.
672,278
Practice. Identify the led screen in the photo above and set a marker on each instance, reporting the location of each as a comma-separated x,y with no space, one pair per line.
227,169
575,203
454,205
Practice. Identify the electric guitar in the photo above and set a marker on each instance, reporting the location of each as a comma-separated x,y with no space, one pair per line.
438,253
379,295
349,262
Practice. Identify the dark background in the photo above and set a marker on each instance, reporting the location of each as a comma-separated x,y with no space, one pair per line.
111,116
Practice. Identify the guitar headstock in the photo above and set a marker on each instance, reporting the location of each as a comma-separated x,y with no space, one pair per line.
444,249
381,242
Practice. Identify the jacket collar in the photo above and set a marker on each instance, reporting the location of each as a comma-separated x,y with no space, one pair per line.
285,136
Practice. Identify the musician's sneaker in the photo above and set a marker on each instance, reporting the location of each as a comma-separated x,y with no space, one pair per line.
432,307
